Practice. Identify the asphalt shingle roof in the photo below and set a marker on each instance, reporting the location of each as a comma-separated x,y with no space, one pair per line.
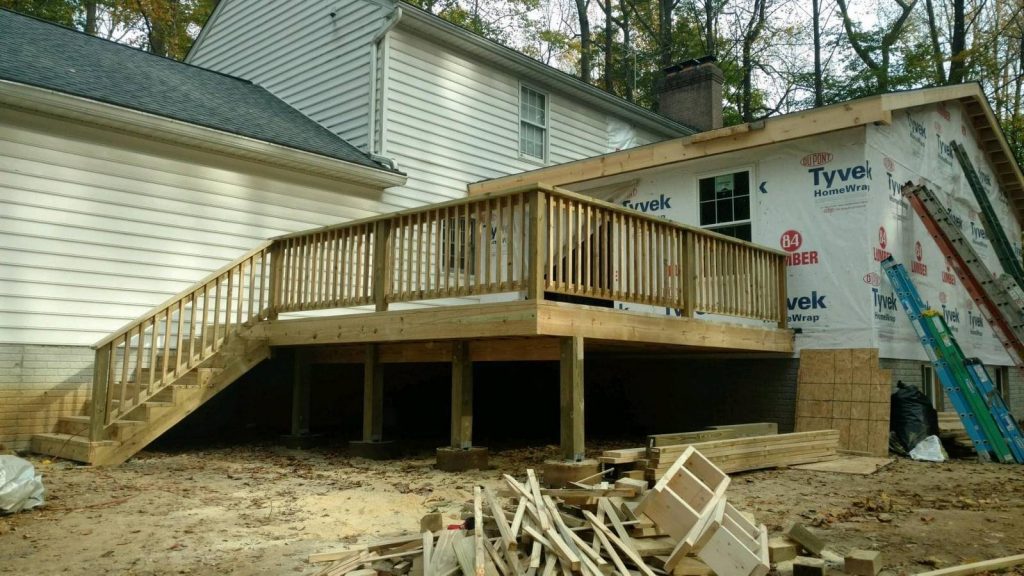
49,56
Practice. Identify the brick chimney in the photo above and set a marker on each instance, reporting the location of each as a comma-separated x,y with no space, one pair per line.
691,93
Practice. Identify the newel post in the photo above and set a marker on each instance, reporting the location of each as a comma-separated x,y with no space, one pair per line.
381,253
689,274
100,380
276,275
538,253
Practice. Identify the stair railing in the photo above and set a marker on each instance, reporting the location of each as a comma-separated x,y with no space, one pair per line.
134,363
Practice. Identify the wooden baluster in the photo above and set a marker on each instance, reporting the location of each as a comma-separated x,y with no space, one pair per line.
345,281
167,346
263,283
577,244
227,302
180,340
123,384
400,263
152,353
469,250
251,300
215,340
192,330
414,256
423,254
140,347
204,330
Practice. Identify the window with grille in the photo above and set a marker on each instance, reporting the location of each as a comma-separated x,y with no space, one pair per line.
533,123
461,243
725,204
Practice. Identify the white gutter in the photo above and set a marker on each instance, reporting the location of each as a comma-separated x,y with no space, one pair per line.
391,22
149,125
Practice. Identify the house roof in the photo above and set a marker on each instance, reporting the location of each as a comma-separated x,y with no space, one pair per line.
52,57
788,127
528,68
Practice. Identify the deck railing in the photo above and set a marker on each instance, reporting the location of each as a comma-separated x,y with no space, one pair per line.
537,240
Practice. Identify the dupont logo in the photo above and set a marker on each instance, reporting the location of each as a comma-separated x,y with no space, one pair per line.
873,279
943,111
816,159
943,297
881,253
888,163
948,277
918,267
791,241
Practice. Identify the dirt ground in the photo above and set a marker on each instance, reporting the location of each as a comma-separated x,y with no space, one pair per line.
261,509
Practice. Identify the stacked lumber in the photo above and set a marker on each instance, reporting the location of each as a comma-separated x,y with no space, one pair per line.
606,529
752,453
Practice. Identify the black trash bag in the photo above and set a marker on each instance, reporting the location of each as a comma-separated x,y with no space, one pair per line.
911,419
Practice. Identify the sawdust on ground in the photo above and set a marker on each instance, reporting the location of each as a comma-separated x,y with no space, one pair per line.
261,509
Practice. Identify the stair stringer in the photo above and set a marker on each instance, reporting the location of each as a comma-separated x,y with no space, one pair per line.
237,357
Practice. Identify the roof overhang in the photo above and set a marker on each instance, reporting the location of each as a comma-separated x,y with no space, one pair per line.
522,66
861,112
58,104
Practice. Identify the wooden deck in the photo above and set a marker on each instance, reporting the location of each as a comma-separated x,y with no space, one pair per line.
536,273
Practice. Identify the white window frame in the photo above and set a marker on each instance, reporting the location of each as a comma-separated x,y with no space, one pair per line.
752,189
546,127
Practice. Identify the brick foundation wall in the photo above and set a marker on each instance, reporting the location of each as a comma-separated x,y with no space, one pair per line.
37,385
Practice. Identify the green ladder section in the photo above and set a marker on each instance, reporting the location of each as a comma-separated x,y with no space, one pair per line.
995,232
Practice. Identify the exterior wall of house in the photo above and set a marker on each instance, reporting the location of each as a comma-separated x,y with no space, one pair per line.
451,119
317,63
97,227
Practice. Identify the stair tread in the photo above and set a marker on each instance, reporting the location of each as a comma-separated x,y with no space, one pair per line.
75,439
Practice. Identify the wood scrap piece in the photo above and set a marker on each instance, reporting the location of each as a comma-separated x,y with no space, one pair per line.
538,502
620,530
535,554
479,554
609,549
517,520
428,551
624,547
336,555
549,565
781,549
798,533
863,562
562,550
432,522
501,520
976,567
500,564
464,549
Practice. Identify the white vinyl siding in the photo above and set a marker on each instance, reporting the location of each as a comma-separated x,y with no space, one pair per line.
452,119
318,64
95,227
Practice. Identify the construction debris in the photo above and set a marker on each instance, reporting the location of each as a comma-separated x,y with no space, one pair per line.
683,525
863,563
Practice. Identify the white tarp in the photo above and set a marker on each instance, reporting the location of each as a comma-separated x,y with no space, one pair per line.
20,487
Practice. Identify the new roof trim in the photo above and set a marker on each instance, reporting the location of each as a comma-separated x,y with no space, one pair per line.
68,106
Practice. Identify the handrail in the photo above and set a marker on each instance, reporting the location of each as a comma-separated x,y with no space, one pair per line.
136,362
537,240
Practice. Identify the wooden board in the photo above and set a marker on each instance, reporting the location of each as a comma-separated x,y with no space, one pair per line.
848,465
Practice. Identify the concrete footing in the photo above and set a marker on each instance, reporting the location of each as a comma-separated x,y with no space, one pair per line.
460,459
559,473
374,450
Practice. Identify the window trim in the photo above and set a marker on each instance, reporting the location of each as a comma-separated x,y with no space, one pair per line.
547,125
751,173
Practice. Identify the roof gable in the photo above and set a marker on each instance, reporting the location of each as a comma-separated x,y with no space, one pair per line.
44,55
788,127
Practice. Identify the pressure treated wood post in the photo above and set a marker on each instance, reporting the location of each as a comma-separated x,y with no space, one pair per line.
300,393
373,396
276,274
100,380
783,309
689,275
538,253
381,264
571,384
462,397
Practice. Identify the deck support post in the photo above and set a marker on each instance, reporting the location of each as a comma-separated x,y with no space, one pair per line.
462,397
571,376
461,455
300,393
373,396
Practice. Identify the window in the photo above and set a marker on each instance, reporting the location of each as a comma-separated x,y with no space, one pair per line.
1003,383
533,123
932,387
725,204
461,249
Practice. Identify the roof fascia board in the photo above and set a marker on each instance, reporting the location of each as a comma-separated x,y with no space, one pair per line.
712,143
152,126
417,20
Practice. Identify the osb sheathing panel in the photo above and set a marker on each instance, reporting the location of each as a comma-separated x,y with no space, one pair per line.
845,390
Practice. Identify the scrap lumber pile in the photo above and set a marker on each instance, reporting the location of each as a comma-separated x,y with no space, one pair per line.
731,448
684,521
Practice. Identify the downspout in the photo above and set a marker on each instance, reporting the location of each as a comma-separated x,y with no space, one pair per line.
391,22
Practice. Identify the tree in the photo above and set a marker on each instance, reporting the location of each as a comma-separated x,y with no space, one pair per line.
875,48
586,42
